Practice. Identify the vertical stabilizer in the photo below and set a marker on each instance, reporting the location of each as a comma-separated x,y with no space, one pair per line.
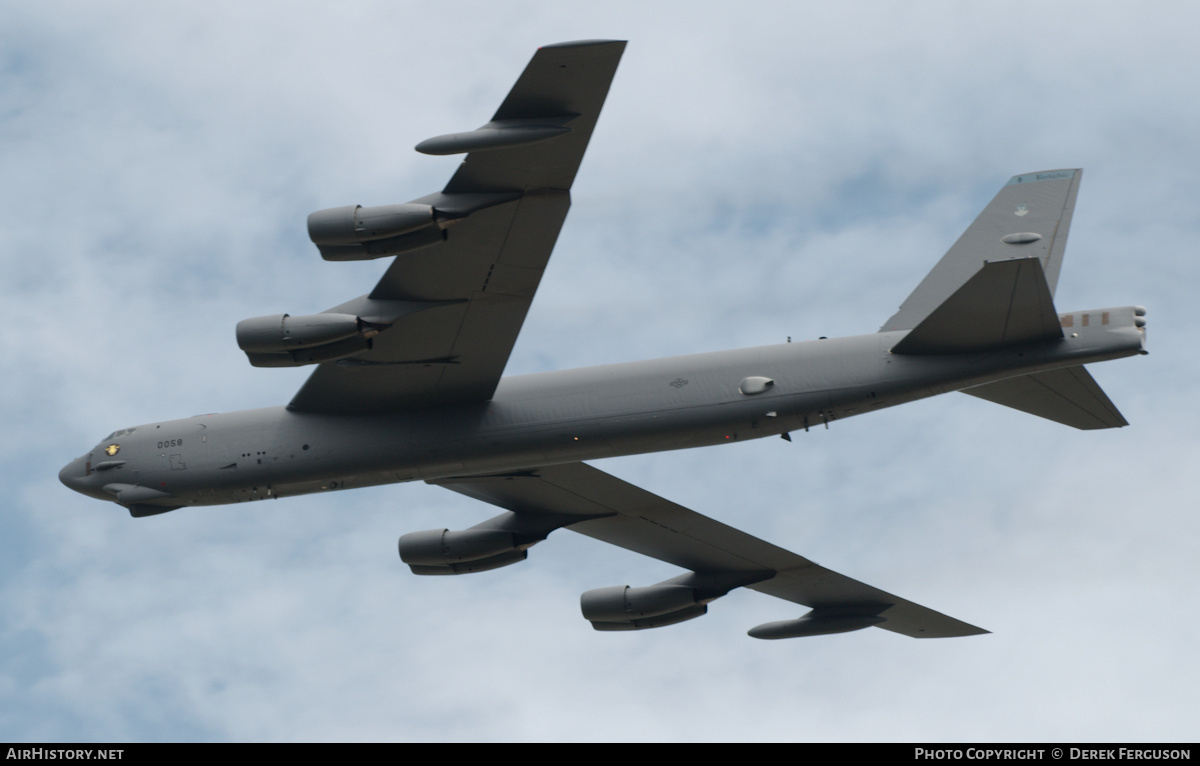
1028,218
1006,303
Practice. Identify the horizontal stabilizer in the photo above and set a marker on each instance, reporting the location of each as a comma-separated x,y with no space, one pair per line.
1006,303
1069,396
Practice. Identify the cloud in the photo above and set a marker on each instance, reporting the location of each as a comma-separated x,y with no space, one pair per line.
791,171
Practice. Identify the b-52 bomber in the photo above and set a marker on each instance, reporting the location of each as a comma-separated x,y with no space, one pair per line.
408,386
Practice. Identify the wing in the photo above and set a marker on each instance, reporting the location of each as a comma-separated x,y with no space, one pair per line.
588,501
449,309
1029,217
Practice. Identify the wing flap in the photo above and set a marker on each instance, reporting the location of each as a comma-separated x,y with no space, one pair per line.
616,512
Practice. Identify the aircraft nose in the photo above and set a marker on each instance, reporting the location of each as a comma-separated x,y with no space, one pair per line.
73,474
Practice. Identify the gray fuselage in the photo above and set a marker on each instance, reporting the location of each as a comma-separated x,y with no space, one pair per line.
555,417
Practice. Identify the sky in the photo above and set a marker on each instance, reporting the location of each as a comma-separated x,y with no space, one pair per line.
774,170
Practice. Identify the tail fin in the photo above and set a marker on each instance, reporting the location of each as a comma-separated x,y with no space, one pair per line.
1069,395
995,289
1028,218
1006,303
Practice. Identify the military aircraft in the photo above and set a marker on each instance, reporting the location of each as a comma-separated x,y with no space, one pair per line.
408,386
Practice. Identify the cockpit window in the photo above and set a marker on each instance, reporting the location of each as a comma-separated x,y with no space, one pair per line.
122,432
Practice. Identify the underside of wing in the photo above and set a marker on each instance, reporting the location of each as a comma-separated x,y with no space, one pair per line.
440,325
463,302
719,558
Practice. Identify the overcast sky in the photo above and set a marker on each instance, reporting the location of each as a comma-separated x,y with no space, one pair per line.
759,171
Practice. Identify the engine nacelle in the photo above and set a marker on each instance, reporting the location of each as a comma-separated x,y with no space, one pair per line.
357,233
661,621
281,340
354,223
442,552
280,333
623,608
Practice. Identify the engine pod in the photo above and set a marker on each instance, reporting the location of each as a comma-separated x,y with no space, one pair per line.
441,547
470,567
280,333
351,224
620,603
659,621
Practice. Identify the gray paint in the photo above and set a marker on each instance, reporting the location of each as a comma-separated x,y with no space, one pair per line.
567,416
1032,203
422,397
